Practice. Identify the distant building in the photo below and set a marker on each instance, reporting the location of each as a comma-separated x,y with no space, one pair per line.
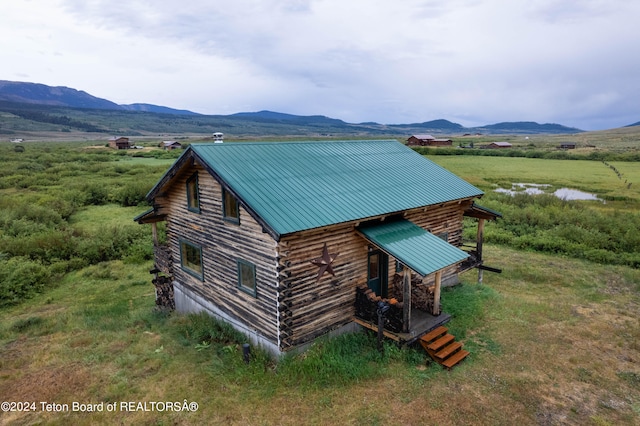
218,137
427,140
119,142
497,145
170,145
567,145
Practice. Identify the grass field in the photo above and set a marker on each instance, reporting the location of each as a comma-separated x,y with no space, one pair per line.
554,339
489,173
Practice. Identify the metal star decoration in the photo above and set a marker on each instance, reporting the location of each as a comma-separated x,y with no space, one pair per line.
325,262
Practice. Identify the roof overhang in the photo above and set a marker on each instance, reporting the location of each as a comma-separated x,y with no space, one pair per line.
414,247
150,216
480,212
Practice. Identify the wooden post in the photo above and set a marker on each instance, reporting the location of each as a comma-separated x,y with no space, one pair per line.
406,299
479,241
436,294
154,231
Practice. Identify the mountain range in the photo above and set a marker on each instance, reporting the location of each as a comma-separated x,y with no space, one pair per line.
68,109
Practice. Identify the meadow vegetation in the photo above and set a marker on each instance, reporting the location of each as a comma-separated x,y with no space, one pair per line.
57,212
553,339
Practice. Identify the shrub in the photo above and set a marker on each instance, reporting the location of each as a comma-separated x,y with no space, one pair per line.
133,194
21,278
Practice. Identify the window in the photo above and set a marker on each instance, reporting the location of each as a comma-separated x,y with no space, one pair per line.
230,209
193,198
247,277
191,259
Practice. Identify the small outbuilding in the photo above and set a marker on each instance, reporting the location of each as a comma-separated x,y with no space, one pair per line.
170,145
499,145
567,145
119,142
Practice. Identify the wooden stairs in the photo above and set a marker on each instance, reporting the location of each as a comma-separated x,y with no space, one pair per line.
442,347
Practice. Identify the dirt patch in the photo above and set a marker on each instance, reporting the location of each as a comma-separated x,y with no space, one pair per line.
55,384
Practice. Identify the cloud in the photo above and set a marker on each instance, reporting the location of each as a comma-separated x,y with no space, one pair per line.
471,61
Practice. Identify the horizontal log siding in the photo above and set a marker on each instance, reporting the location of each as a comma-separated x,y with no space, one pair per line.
309,307
223,243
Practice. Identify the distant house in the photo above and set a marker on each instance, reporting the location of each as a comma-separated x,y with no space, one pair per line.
170,145
442,142
498,145
420,140
567,145
119,142
218,136
288,241
427,140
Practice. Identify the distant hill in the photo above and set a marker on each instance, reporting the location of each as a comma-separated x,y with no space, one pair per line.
528,127
634,124
41,94
34,93
436,125
62,109
157,109
279,116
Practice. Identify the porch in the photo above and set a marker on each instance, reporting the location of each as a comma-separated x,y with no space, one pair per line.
421,322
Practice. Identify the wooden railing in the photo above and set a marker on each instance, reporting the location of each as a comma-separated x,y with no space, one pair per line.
367,309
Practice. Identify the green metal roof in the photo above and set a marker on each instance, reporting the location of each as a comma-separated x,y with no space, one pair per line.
293,186
416,248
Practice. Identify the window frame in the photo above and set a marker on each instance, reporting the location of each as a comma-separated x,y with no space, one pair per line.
183,261
193,193
444,236
252,291
225,216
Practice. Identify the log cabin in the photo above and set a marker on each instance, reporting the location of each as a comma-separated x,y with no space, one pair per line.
289,241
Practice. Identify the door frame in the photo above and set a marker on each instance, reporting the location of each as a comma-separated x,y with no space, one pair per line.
380,284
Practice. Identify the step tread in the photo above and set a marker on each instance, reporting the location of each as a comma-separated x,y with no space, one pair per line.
433,334
448,350
441,342
456,358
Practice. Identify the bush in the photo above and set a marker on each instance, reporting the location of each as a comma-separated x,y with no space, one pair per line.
133,194
21,278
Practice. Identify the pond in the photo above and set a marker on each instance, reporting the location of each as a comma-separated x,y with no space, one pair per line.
537,188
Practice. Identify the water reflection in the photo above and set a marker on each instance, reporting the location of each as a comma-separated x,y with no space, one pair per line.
537,188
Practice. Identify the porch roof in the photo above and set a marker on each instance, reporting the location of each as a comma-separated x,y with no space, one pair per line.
416,248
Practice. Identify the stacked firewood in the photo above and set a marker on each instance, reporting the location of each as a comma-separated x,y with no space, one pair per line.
164,293
422,294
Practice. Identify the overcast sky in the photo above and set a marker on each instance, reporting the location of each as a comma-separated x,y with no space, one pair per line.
473,62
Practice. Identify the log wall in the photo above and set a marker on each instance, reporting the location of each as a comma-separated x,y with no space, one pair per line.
223,243
310,307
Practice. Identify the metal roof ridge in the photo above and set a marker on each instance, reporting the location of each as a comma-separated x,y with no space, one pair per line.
244,143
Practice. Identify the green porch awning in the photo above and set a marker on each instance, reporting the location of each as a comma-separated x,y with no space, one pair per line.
416,248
